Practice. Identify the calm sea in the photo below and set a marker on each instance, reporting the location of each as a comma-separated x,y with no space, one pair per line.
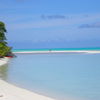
64,76
57,49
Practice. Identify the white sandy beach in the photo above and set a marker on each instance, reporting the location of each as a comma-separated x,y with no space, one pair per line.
4,61
67,51
11,92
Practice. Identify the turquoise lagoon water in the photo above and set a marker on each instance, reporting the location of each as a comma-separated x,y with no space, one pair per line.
61,76
58,49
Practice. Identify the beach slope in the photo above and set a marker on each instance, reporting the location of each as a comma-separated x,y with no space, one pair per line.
10,92
4,61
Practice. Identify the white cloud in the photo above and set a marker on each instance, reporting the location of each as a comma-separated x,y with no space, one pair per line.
79,19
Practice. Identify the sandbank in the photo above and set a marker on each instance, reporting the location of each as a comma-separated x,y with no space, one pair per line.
54,51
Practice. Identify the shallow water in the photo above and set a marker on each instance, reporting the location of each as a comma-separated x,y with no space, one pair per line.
61,76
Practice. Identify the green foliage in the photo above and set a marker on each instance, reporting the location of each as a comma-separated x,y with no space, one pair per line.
4,49
2,31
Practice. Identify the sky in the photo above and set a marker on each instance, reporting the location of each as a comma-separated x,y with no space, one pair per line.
51,23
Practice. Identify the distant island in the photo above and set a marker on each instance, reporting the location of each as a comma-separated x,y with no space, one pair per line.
5,50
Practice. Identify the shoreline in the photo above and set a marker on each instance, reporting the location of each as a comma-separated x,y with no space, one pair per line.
4,61
11,92
57,51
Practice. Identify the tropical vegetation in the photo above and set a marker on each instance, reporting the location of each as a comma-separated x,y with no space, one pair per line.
5,50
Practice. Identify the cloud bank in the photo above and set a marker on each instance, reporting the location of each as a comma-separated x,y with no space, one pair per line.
94,25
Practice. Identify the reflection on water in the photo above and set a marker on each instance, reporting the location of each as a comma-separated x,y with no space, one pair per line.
58,76
4,72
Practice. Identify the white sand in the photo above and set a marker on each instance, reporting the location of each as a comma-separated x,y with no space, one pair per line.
4,61
10,92
70,51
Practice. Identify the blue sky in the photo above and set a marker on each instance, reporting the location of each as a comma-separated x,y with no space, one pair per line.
51,23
